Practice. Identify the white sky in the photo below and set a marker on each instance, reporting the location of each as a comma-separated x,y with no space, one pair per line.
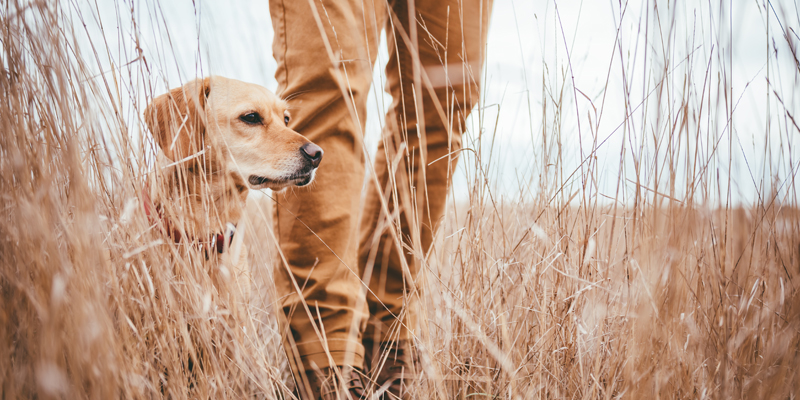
536,49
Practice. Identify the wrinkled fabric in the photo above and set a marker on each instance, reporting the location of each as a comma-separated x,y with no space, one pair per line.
338,244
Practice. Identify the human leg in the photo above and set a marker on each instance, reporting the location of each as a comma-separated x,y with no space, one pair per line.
325,56
418,151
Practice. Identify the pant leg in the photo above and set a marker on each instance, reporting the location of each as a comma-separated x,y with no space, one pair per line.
316,226
451,36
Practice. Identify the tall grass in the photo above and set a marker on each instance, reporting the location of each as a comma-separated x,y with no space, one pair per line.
667,287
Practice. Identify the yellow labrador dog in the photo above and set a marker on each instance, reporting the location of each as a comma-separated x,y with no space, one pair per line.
219,138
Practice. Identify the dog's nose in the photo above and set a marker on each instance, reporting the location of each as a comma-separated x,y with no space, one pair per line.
313,153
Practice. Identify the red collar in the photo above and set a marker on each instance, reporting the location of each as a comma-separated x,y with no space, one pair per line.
216,241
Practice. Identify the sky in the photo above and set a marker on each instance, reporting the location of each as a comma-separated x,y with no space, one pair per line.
605,81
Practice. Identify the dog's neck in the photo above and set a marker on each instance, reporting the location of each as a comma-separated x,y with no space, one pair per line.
195,202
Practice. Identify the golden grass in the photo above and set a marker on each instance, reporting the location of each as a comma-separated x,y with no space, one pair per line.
536,299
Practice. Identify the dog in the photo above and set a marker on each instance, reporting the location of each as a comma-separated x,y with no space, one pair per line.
219,138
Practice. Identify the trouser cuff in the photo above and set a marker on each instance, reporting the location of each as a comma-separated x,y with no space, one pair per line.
339,352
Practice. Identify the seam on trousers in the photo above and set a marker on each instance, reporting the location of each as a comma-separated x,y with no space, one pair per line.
284,43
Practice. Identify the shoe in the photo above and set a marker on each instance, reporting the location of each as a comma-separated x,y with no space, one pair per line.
392,365
325,385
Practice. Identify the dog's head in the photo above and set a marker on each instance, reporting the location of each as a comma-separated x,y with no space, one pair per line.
218,125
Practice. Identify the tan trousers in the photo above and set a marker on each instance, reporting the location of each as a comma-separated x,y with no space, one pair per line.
340,247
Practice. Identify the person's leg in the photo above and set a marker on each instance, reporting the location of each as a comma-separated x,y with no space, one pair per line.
325,56
451,36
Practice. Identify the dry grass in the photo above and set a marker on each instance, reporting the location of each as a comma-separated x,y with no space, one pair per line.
562,295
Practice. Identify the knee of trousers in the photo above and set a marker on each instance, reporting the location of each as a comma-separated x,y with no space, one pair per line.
323,109
444,116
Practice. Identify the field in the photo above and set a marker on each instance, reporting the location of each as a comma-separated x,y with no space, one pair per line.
670,285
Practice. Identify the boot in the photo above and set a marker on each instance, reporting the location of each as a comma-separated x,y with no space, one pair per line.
325,385
392,366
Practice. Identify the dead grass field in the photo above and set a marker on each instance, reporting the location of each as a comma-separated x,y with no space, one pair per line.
566,295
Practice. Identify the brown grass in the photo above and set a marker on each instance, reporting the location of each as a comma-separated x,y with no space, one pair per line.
563,295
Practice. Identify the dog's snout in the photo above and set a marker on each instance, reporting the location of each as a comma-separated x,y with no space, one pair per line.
313,153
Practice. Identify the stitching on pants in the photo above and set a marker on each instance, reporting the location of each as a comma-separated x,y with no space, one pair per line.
284,44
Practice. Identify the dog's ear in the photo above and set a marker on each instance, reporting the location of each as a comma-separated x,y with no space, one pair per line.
177,119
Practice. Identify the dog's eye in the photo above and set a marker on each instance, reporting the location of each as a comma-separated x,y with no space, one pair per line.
252,118
286,118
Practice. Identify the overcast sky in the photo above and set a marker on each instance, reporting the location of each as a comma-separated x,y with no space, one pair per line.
536,50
